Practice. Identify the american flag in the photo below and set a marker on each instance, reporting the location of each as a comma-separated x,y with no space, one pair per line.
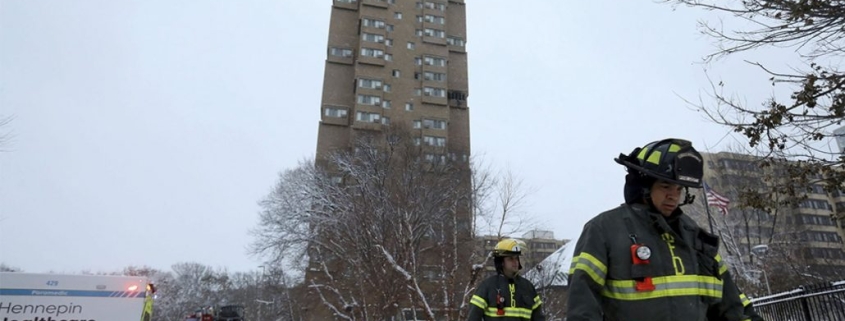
716,200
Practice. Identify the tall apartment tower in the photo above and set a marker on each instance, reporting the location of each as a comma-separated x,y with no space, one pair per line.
806,233
396,62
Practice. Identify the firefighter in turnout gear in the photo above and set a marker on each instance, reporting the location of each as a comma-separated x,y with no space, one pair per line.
506,296
645,259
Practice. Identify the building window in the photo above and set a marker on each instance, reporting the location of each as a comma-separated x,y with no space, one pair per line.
369,100
369,83
388,42
369,52
437,33
385,121
417,141
433,91
373,23
367,117
417,124
456,41
386,104
433,123
434,76
409,106
397,73
387,88
435,19
435,6
340,52
397,15
371,37
434,61
389,28
417,92
419,18
335,112
417,61
434,141
411,45
388,57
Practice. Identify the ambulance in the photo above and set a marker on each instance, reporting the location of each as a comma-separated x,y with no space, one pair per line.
57,297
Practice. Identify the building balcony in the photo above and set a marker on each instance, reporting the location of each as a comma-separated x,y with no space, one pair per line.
345,5
377,61
375,3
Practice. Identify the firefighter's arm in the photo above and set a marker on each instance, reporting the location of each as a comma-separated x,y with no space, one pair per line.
537,309
478,304
732,306
587,275
749,308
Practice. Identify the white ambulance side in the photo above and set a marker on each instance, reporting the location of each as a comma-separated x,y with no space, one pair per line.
55,297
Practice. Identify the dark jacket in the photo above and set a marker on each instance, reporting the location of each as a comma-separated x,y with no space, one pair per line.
684,278
520,300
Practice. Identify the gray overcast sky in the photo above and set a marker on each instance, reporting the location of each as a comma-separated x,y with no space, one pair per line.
146,131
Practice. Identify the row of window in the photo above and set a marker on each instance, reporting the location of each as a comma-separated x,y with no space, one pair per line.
822,253
813,236
379,53
451,40
420,4
340,112
428,32
806,219
815,204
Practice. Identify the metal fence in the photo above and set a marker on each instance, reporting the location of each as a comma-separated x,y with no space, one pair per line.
819,302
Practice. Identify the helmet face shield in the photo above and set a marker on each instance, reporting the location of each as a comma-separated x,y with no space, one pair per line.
671,160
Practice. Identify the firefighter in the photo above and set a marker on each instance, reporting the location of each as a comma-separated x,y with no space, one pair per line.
645,259
506,296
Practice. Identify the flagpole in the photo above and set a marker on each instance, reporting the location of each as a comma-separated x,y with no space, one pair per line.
707,208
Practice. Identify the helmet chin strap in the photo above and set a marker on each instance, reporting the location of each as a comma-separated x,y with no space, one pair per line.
688,198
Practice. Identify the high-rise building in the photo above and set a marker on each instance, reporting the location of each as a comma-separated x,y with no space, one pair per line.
393,63
396,64
839,134
809,238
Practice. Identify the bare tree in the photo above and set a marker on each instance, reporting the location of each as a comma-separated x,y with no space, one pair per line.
386,229
798,128
8,268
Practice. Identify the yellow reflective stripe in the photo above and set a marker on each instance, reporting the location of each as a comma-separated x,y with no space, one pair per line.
654,158
591,265
148,306
537,303
665,286
641,155
722,266
479,302
509,312
674,148
745,300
